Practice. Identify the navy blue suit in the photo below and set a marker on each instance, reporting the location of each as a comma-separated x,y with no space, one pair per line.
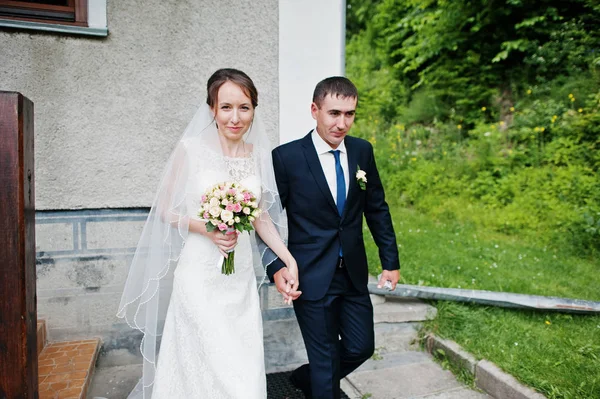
334,302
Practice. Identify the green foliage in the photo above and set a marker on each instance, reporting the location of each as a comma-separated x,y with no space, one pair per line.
485,120
523,179
467,53
486,112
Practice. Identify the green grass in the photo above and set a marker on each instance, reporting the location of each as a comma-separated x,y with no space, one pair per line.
557,354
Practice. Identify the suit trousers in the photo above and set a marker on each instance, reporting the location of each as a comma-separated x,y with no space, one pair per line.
338,334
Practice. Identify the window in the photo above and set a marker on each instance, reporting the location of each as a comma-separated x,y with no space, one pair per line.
64,12
85,17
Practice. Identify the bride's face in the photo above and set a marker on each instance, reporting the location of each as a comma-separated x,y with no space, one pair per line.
233,112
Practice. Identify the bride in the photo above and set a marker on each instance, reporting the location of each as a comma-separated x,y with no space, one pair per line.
211,344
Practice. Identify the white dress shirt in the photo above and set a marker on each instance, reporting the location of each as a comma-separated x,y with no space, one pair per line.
328,162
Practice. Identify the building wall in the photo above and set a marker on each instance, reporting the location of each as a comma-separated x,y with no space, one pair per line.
109,110
311,48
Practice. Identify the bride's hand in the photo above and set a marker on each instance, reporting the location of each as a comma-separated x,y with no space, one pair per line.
293,282
225,242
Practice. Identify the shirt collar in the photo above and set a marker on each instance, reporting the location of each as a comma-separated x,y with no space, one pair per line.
322,147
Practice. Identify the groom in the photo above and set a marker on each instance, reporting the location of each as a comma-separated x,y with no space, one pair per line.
327,182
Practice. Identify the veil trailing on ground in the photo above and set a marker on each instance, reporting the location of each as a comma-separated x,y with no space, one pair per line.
148,288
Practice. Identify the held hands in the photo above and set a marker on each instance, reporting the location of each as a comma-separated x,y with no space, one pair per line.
286,281
225,242
390,277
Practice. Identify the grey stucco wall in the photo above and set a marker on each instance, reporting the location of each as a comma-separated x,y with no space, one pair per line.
107,115
108,111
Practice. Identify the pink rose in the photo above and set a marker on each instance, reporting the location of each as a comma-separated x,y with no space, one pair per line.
232,191
222,226
206,215
230,207
204,198
247,196
237,208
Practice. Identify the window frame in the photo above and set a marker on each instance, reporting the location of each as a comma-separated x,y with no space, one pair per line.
88,17
75,13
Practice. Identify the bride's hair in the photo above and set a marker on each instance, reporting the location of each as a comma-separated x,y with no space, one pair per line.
230,75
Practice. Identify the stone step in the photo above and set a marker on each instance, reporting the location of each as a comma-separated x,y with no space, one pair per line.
41,336
114,382
65,368
396,337
408,374
284,347
401,310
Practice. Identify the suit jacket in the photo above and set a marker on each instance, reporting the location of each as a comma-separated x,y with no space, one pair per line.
316,229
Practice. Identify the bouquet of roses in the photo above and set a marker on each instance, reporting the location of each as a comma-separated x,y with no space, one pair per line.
230,208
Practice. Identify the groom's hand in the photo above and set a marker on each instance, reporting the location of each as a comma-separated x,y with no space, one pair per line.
389,275
287,285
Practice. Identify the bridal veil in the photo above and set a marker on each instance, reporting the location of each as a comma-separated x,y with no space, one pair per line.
148,287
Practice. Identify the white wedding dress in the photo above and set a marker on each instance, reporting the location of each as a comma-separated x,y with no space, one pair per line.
212,343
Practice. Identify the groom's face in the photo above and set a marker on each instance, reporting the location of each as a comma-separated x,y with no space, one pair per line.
334,118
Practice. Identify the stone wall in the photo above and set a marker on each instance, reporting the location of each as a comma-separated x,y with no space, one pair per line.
108,111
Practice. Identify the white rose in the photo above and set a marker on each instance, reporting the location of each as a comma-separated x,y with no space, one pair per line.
256,213
246,210
230,223
237,219
251,218
215,211
225,202
239,197
214,202
205,207
227,216
361,175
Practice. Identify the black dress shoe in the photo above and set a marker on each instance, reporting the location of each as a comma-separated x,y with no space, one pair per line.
298,384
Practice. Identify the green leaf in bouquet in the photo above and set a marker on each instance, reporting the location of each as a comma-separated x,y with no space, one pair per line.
210,227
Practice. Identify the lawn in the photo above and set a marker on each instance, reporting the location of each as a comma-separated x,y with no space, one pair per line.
556,353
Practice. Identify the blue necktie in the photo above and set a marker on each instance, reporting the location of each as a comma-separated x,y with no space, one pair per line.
341,185
341,182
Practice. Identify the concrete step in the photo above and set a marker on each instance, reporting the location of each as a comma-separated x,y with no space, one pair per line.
396,337
400,310
42,334
408,374
458,393
114,382
397,324
65,368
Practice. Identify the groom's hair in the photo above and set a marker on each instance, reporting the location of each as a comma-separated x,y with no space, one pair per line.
336,86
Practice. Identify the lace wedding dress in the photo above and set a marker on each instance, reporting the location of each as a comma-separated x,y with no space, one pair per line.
212,343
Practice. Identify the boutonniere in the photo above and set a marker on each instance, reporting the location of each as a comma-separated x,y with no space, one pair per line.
361,178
